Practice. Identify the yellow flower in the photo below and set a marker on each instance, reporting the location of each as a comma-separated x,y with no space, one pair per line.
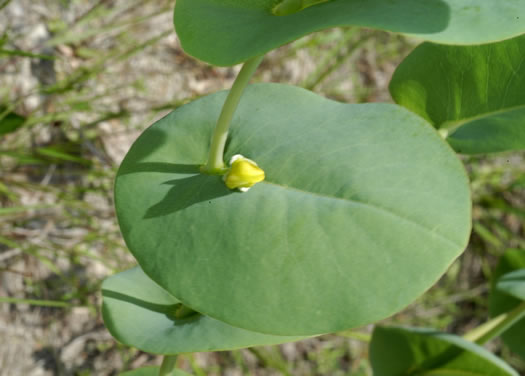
242,174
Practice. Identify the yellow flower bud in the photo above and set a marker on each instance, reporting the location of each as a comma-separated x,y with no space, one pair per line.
242,174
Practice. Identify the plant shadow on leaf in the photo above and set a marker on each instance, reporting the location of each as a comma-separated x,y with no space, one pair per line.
156,139
168,168
167,309
185,191
188,191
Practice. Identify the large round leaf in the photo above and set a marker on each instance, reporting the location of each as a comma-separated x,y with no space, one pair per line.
140,313
500,301
398,351
226,32
476,92
363,208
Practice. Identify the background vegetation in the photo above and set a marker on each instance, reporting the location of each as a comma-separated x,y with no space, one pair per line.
79,80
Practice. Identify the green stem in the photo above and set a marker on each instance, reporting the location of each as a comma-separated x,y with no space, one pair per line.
360,336
215,164
496,326
167,367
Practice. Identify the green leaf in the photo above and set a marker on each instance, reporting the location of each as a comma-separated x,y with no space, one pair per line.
513,284
501,302
396,351
227,32
152,371
140,313
10,122
475,92
363,208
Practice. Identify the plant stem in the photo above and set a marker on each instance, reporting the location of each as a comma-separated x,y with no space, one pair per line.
360,336
215,164
496,326
167,367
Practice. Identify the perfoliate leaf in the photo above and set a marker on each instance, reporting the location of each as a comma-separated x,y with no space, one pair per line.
227,32
362,209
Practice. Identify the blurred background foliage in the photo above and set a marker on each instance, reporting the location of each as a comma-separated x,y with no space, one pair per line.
79,80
